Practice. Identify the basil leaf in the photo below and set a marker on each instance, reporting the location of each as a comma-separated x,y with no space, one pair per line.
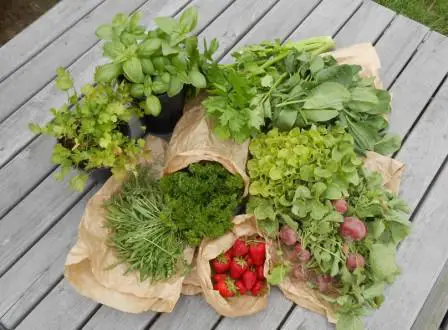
113,49
197,79
153,105
168,50
133,70
137,90
175,86
147,66
104,32
149,47
107,72
166,24
189,19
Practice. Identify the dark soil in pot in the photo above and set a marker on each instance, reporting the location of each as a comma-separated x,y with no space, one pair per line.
172,108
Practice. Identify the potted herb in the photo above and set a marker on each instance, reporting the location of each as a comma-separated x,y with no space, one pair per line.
92,132
156,64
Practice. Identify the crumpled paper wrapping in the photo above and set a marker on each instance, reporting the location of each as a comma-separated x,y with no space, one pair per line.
390,169
87,265
191,285
245,225
193,141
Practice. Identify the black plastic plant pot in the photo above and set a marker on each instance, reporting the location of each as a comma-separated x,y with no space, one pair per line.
164,123
101,174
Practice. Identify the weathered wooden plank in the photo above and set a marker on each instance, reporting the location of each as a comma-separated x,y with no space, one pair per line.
326,19
397,45
32,217
62,309
304,319
416,85
431,315
422,257
42,32
22,173
191,312
243,15
109,318
275,27
33,275
31,77
367,24
267,319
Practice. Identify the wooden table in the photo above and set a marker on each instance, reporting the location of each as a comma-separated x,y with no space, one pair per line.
39,216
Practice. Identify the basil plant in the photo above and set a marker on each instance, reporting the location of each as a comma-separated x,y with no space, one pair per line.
154,62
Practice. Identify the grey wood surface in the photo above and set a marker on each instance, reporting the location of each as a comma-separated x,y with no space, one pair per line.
42,32
32,76
39,217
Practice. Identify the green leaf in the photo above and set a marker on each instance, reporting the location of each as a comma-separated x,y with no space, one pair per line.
149,47
302,192
153,105
137,90
267,81
349,322
375,290
147,66
197,79
64,80
104,32
365,95
388,144
277,274
166,24
382,261
335,267
175,86
107,72
333,192
133,70
320,115
113,49
189,19
316,64
289,221
36,129
318,210
134,21
328,95
168,50
286,119
79,181
377,228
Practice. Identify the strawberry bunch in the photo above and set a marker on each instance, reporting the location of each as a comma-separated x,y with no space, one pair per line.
239,270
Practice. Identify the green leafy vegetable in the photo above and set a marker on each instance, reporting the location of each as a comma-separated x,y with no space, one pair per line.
141,239
200,201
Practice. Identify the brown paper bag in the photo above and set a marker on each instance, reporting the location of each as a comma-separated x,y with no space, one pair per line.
86,267
245,225
191,285
193,140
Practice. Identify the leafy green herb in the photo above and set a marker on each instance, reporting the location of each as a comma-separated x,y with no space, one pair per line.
141,239
154,62
200,201
88,130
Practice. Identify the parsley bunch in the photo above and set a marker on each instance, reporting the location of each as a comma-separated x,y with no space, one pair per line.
88,130
200,201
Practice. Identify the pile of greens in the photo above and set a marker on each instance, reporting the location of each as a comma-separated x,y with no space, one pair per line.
141,239
89,130
294,177
285,86
153,62
200,201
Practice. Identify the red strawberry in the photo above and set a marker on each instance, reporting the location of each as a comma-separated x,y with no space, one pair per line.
249,260
237,267
259,288
240,287
226,288
239,248
257,252
260,272
219,277
221,263
249,279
